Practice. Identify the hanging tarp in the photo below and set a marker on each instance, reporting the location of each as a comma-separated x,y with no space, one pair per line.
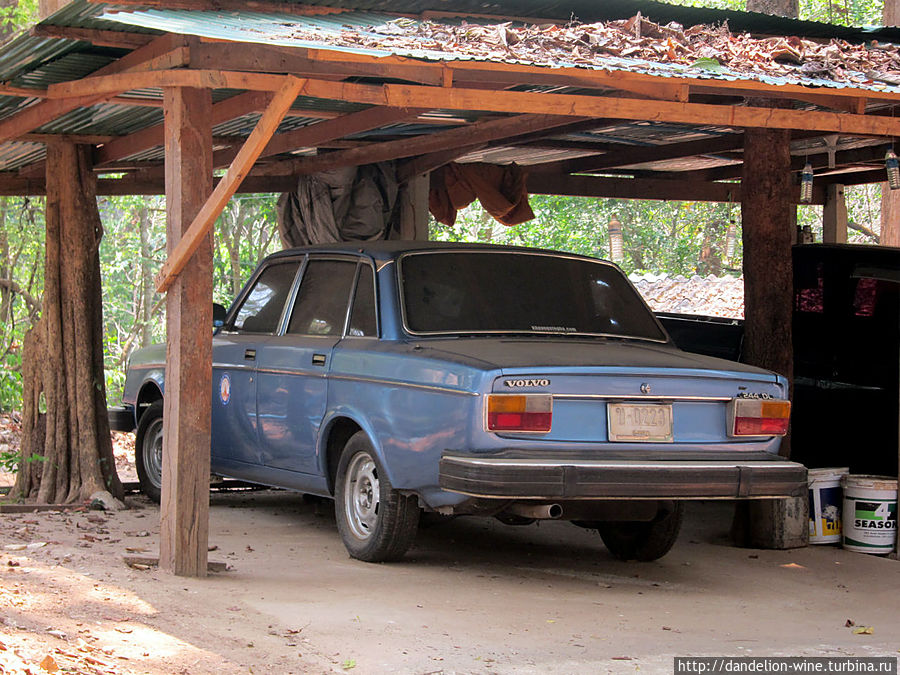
346,204
500,189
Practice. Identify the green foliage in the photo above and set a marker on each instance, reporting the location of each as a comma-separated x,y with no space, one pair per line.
132,250
673,237
10,460
840,12
20,15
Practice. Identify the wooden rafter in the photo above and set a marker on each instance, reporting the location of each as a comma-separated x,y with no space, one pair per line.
200,79
480,132
513,73
100,38
398,95
271,59
239,168
150,137
636,188
638,155
314,135
158,51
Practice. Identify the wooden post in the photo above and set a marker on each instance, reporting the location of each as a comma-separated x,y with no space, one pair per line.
767,219
834,215
413,209
184,508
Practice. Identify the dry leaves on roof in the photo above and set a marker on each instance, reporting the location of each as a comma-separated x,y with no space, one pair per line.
701,48
709,296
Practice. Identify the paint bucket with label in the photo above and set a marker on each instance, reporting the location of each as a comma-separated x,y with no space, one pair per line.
825,496
870,513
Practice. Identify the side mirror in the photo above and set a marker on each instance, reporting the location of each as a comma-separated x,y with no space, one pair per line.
218,315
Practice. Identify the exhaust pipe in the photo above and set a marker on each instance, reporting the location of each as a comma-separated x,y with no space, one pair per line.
536,511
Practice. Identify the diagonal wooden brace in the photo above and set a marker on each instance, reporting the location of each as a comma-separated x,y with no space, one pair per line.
229,184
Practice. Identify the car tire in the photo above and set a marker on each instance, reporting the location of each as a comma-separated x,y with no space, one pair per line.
148,451
376,522
644,541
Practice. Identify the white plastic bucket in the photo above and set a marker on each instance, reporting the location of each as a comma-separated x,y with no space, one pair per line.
870,513
825,496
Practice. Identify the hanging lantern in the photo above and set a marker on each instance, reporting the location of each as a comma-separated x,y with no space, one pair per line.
806,184
892,166
730,240
616,243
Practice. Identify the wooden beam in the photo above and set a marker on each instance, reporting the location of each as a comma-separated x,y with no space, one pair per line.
400,95
263,6
609,79
639,155
239,168
314,135
637,188
89,139
834,215
100,38
24,92
274,59
184,506
200,79
14,185
149,137
427,163
480,132
39,114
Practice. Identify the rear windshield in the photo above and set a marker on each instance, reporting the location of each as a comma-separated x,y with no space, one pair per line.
480,292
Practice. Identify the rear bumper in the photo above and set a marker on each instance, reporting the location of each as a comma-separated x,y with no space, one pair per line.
515,474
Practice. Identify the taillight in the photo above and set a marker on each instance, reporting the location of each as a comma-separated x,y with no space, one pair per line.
519,412
759,417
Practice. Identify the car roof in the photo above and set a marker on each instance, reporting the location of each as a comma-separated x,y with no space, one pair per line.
391,250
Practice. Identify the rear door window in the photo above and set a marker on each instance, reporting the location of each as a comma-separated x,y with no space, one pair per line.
261,310
321,306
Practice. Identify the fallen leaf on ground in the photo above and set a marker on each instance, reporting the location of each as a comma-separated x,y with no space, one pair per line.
49,664
863,630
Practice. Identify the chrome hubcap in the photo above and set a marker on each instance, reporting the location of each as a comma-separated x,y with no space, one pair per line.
361,496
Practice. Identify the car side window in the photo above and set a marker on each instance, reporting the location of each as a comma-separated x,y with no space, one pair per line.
261,309
321,306
362,316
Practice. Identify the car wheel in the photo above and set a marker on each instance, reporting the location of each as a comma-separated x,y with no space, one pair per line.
644,541
148,450
375,521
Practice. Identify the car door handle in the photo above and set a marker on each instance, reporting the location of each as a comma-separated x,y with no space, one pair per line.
318,359
250,354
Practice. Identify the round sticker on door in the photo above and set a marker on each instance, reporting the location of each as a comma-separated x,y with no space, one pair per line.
225,389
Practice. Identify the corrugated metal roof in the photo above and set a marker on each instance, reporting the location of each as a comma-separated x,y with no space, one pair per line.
319,32
32,61
604,10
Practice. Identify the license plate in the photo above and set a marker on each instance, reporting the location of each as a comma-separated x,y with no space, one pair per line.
640,422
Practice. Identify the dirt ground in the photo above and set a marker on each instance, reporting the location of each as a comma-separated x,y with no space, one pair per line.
473,596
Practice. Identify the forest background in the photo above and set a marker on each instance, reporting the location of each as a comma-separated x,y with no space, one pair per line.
660,237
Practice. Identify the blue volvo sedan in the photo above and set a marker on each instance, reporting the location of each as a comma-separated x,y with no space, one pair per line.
397,377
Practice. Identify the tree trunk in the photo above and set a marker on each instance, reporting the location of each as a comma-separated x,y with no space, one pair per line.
789,8
145,220
766,214
65,355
